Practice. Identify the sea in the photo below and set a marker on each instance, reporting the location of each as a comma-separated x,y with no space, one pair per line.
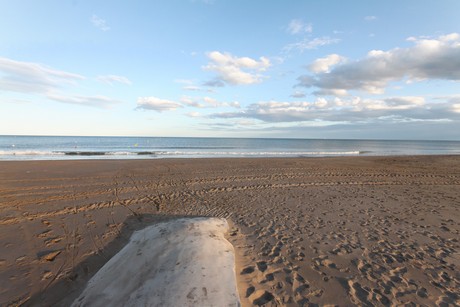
91,147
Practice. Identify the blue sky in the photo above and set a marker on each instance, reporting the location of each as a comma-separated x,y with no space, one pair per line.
303,69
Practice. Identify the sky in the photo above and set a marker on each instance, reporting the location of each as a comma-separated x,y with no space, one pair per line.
231,68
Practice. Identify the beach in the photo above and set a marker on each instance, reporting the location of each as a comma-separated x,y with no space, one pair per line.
341,230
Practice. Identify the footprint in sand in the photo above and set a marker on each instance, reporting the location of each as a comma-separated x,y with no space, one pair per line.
247,270
299,285
261,297
249,291
262,266
358,293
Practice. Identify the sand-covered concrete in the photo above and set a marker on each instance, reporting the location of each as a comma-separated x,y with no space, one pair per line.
183,262
344,231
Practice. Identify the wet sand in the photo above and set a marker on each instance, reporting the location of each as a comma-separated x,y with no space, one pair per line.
341,231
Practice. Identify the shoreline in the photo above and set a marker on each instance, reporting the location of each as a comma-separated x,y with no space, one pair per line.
359,156
107,157
322,230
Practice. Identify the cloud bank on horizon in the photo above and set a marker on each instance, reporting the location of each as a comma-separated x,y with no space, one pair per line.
290,77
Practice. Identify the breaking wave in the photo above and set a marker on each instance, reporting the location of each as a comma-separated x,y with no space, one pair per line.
25,154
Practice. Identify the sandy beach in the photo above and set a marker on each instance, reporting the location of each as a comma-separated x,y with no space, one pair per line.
368,231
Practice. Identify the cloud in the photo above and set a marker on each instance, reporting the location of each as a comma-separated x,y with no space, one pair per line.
451,99
298,94
33,78
91,101
27,77
99,23
191,102
189,85
194,114
400,103
436,58
217,104
234,70
297,26
309,44
160,105
207,102
157,104
192,88
349,110
111,79
324,64
195,88
370,18
411,130
15,100
214,83
330,92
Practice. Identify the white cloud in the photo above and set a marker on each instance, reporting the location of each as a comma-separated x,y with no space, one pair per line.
194,114
38,79
99,23
190,85
211,101
160,105
309,44
111,79
192,88
218,104
456,107
195,88
15,100
234,70
191,102
325,64
27,77
297,26
157,104
370,18
437,58
207,102
91,101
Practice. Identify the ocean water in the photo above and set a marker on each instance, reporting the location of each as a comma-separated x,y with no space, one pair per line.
70,147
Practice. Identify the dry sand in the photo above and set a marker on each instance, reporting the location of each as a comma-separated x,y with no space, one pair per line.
342,231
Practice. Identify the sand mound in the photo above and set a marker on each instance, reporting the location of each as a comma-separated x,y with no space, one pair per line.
186,262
